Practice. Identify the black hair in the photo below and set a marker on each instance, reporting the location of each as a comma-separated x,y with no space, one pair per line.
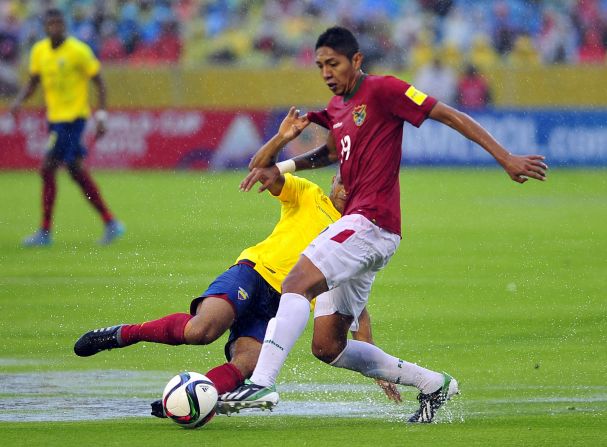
53,13
339,39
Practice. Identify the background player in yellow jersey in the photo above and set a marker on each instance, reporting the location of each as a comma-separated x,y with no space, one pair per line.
64,66
244,298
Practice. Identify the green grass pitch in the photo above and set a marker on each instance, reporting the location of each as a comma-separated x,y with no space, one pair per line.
502,285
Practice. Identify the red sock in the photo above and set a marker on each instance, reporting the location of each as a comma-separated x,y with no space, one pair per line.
168,330
90,190
49,192
225,377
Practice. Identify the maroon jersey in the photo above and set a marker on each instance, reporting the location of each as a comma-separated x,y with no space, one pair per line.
367,126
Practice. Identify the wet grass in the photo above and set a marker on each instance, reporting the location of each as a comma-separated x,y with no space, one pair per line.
507,430
502,285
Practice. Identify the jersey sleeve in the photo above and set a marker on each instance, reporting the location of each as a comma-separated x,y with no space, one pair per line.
90,63
405,101
321,118
293,189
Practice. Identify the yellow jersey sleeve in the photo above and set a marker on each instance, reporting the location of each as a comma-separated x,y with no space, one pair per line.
292,190
90,64
305,212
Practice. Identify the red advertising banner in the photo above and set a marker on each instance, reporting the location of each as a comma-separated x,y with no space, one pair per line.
146,139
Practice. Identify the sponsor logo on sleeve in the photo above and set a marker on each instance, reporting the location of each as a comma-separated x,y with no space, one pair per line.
359,114
415,95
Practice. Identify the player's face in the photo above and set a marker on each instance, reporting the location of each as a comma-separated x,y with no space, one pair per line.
338,72
338,194
54,26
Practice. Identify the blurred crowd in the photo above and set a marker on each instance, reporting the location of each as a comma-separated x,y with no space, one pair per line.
463,35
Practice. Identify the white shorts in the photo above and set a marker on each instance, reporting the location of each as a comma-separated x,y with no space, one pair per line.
349,253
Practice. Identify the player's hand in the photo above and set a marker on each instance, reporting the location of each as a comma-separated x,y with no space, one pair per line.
100,129
521,168
266,176
389,390
293,124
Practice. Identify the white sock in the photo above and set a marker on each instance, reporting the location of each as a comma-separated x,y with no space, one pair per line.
281,334
371,361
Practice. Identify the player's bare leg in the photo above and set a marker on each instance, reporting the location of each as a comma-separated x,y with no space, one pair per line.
214,317
244,354
302,284
330,336
330,344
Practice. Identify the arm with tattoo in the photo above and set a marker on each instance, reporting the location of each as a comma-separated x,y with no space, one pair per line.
316,158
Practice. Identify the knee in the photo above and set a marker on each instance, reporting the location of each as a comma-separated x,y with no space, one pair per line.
292,284
200,335
326,352
299,284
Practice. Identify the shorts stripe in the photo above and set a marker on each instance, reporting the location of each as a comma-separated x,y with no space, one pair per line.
342,236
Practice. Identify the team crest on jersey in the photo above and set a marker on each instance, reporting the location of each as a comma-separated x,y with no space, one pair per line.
359,114
242,294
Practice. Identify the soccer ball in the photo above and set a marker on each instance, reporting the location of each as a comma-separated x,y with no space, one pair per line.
189,399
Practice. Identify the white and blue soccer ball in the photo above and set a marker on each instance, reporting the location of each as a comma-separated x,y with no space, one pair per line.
189,399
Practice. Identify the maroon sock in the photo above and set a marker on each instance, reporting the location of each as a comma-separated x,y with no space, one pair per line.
49,192
168,330
90,190
225,377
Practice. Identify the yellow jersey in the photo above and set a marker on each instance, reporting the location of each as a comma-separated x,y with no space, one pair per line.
64,72
305,212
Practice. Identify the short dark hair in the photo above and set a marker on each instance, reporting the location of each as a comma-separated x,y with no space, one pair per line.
339,39
53,13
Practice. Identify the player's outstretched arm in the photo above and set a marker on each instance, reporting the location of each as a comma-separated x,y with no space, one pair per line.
316,158
520,168
320,157
101,113
292,125
365,334
28,90
290,128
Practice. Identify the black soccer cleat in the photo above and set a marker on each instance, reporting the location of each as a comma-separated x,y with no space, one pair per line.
158,409
98,340
430,403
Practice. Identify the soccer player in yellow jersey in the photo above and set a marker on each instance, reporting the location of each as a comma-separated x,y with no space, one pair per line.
244,298
64,66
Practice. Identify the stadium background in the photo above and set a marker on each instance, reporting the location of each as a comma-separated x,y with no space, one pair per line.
201,83
500,284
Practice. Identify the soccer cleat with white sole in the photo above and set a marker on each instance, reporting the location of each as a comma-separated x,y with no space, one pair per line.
430,403
248,395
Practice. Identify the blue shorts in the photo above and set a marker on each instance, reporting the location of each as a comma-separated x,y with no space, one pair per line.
254,301
64,140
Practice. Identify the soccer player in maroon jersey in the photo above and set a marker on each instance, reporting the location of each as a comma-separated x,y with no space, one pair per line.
365,119
245,297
